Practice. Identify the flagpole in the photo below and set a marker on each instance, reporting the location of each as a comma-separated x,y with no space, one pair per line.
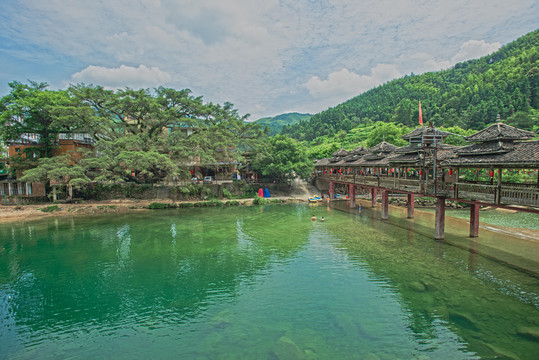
420,114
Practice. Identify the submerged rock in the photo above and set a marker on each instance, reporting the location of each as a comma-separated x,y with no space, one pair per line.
505,354
464,320
285,348
348,327
417,286
371,356
529,332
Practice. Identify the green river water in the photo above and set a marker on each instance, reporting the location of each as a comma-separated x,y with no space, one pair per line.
264,282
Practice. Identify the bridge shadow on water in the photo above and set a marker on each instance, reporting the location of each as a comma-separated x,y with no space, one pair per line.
521,253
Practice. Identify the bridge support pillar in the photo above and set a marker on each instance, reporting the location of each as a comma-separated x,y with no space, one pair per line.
373,193
331,190
385,205
439,226
352,195
474,220
411,206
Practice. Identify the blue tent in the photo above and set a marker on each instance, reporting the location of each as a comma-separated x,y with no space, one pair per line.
266,193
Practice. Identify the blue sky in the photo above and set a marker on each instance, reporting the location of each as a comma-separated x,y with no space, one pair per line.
267,57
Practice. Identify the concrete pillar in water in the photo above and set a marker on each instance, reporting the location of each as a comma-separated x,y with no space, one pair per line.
352,195
474,220
373,193
385,205
332,190
411,206
439,225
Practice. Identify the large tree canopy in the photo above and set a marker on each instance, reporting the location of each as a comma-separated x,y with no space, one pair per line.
282,158
35,110
140,135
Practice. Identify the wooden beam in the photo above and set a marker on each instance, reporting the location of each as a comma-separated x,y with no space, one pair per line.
352,195
474,220
411,206
385,205
439,226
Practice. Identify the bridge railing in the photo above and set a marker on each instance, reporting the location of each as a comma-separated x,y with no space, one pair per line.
522,194
519,195
408,185
475,192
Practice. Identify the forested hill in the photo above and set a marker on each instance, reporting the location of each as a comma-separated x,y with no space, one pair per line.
276,123
469,95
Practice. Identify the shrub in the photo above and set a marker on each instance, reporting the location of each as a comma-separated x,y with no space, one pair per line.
185,190
185,205
214,202
157,205
249,192
260,201
227,194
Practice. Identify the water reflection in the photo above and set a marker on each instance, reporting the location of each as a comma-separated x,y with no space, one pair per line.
267,281
435,285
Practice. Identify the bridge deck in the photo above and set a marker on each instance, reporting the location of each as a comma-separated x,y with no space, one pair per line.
505,194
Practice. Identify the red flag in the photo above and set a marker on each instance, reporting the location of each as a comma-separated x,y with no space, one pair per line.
420,114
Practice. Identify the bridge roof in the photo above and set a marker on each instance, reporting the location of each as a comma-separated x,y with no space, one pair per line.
359,150
383,147
500,131
425,131
521,155
341,153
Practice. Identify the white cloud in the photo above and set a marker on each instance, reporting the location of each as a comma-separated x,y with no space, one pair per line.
123,76
262,55
474,49
344,84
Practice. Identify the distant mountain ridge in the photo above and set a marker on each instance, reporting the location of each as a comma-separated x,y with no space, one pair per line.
468,95
276,123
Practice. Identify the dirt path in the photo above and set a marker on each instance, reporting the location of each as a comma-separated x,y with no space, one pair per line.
302,190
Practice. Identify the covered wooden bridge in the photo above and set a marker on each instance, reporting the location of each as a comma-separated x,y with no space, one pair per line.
427,167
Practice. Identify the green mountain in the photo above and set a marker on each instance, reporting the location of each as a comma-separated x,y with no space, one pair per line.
276,123
468,95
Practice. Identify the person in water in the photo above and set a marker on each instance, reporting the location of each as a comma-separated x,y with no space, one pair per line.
313,218
322,219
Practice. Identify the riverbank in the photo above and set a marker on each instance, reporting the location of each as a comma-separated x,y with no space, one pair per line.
298,192
16,213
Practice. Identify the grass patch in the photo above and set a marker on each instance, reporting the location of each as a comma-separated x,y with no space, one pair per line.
106,206
50,208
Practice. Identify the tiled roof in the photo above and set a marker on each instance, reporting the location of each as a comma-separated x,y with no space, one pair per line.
424,131
359,150
322,162
412,158
375,160
341,152
383,147
350,158
408,149
491,147
500,131
524,154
